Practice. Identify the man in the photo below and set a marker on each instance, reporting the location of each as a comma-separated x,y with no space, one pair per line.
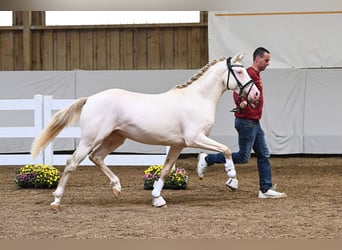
250,133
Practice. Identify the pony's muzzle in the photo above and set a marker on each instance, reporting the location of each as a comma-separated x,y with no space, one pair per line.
254,95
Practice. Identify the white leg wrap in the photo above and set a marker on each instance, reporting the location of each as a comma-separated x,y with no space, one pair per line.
116,185
157,188
56,202
232,184
230,169
58,192
58,197
158,201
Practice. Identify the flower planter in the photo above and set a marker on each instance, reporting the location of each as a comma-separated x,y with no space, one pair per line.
37,176
178,178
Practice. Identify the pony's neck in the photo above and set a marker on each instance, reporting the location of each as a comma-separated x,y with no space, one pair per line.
210,84
207,83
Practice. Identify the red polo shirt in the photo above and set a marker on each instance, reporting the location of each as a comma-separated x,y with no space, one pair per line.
254,110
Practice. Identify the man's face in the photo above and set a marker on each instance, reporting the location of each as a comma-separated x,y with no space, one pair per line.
263,62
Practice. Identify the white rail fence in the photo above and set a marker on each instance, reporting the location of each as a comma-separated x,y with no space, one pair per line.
43,108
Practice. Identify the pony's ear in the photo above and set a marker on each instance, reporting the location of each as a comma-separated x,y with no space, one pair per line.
238,57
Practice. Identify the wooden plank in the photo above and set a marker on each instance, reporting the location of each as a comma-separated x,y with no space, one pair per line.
126,49
73,45
100,55
153,48
18,17
38,17
195,48
140,49
68,50
181,48
60,50
204,55
36,51
86,49
18,50
113,49
6,45
47,50
27,40
167,48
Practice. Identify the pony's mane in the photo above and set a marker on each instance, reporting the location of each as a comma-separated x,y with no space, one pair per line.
199,73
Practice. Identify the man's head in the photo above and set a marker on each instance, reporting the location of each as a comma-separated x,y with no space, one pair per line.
261,58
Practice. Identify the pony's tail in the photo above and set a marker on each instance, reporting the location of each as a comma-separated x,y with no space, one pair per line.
61,119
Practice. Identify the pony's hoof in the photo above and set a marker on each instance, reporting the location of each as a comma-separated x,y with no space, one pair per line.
158,202
232,184
116,193
55,207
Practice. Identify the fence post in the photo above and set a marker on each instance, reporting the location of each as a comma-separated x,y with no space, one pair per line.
38,123
47,113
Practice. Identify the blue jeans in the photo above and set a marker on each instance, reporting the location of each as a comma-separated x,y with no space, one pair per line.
251,136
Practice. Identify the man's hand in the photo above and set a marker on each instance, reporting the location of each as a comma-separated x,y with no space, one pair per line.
243,104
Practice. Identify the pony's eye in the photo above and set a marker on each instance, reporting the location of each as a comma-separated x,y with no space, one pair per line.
239,72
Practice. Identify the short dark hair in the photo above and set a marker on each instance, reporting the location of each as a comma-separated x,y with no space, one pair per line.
260,51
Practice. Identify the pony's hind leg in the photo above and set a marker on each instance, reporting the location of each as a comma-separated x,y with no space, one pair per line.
71,165
108,145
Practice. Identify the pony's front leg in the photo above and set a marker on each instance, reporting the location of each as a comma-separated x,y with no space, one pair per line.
232,182
157,199
202,141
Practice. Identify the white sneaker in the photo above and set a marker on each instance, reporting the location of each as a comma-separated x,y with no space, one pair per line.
201,165
271,194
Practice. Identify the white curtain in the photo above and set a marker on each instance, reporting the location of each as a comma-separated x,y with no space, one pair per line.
295,40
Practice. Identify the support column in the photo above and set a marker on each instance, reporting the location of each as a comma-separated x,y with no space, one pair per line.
27,40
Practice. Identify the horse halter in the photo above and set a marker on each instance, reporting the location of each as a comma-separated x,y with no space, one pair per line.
241,86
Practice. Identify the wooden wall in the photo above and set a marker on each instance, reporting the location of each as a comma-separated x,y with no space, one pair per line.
30,45
11,51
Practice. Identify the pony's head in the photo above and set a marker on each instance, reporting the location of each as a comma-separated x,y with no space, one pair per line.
237,79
